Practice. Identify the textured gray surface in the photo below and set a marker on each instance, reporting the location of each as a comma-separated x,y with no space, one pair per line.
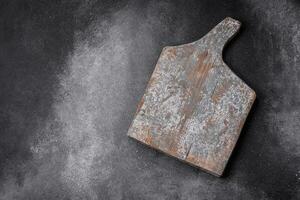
72,73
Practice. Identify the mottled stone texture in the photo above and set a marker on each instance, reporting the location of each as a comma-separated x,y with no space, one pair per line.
73,72
194,106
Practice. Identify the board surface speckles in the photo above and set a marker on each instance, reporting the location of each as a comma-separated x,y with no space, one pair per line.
194,106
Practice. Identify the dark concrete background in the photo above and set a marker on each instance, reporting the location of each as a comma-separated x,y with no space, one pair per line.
72,73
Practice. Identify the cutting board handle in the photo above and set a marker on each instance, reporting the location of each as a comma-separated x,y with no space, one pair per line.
220,35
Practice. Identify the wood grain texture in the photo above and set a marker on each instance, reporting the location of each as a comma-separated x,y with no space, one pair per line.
194,106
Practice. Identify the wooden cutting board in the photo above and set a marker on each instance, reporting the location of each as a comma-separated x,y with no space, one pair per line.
194,106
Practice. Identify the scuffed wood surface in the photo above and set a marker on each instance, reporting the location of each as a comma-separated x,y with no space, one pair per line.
194,106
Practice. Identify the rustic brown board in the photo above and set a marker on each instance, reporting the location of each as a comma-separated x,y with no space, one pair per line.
194,106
